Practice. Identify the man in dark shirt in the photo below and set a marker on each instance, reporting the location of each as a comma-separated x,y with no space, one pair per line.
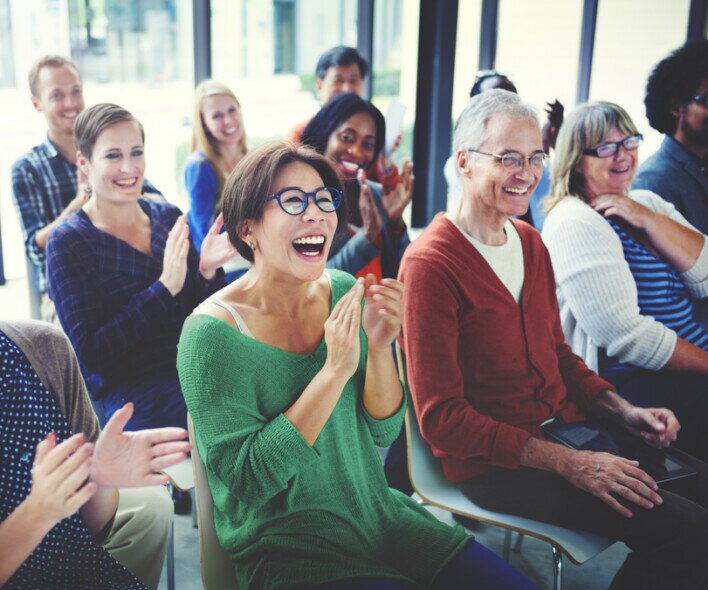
46,185
677,105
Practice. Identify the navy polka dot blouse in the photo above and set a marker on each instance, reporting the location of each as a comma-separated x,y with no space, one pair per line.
67,557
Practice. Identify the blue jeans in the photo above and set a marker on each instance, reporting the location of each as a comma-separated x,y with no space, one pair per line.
474,567
158,402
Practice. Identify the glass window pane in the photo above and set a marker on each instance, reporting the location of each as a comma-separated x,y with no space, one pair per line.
395,63
135,53
138,54
538,48
469,20
625,55
267,51
7,70
130,41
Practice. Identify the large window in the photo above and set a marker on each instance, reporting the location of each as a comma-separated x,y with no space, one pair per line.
135,53
266,52
285,45
469,20
130,41
395,63
7,69
138,54
632,37
538,47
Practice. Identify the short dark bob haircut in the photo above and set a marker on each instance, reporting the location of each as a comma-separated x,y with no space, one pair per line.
248,187
337,110
673,82
96,119
341,56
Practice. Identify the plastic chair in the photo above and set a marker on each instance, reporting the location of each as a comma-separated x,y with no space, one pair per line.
216,567
434,488
181,478
35,298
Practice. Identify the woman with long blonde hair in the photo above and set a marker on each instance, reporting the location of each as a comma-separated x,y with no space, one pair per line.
218,143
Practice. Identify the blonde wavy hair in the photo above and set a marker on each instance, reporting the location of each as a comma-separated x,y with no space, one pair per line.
202,139
585,127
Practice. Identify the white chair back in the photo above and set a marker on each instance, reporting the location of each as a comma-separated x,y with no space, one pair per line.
216,567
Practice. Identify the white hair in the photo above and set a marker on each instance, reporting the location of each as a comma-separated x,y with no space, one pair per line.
471,127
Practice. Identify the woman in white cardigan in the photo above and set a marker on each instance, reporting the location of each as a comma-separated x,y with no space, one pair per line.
628,268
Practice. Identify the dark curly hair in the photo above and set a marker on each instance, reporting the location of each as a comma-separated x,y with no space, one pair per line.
338,109
673,82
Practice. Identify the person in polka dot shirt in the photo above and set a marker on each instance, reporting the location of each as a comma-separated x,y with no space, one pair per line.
61,524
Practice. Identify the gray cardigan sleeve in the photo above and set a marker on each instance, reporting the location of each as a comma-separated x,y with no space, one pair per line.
50,353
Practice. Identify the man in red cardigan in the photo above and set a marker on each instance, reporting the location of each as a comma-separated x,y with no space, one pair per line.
488,362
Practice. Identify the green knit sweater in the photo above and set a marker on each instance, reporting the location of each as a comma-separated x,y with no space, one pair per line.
290,514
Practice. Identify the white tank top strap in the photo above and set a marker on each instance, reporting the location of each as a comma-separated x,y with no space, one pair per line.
238,320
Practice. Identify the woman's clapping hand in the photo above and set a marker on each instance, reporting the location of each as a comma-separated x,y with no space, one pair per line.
370,217
59,478
135,459
383,311
342,332
396,200
174,260
216,249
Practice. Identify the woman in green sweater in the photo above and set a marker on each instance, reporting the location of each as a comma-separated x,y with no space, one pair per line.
291,386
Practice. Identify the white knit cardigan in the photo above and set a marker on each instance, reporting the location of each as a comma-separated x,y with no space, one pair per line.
596,291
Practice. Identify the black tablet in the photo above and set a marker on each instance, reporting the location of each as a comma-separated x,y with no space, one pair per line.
661,464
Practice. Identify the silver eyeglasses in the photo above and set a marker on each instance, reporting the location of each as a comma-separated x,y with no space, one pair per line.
514,161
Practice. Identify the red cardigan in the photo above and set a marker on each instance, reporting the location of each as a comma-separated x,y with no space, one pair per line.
483,371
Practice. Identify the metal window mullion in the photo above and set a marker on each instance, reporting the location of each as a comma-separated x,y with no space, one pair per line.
201,16
587,46
488,34
365,39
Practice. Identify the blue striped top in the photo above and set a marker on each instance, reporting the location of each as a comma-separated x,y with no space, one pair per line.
661,294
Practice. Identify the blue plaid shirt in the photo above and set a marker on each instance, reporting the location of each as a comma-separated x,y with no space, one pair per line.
43,185
122,321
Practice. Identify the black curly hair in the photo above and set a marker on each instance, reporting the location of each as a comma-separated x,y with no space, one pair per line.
673,82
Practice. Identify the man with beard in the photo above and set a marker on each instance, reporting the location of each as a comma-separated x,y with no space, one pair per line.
677,105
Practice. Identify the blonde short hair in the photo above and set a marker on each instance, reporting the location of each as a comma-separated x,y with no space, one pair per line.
584,128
